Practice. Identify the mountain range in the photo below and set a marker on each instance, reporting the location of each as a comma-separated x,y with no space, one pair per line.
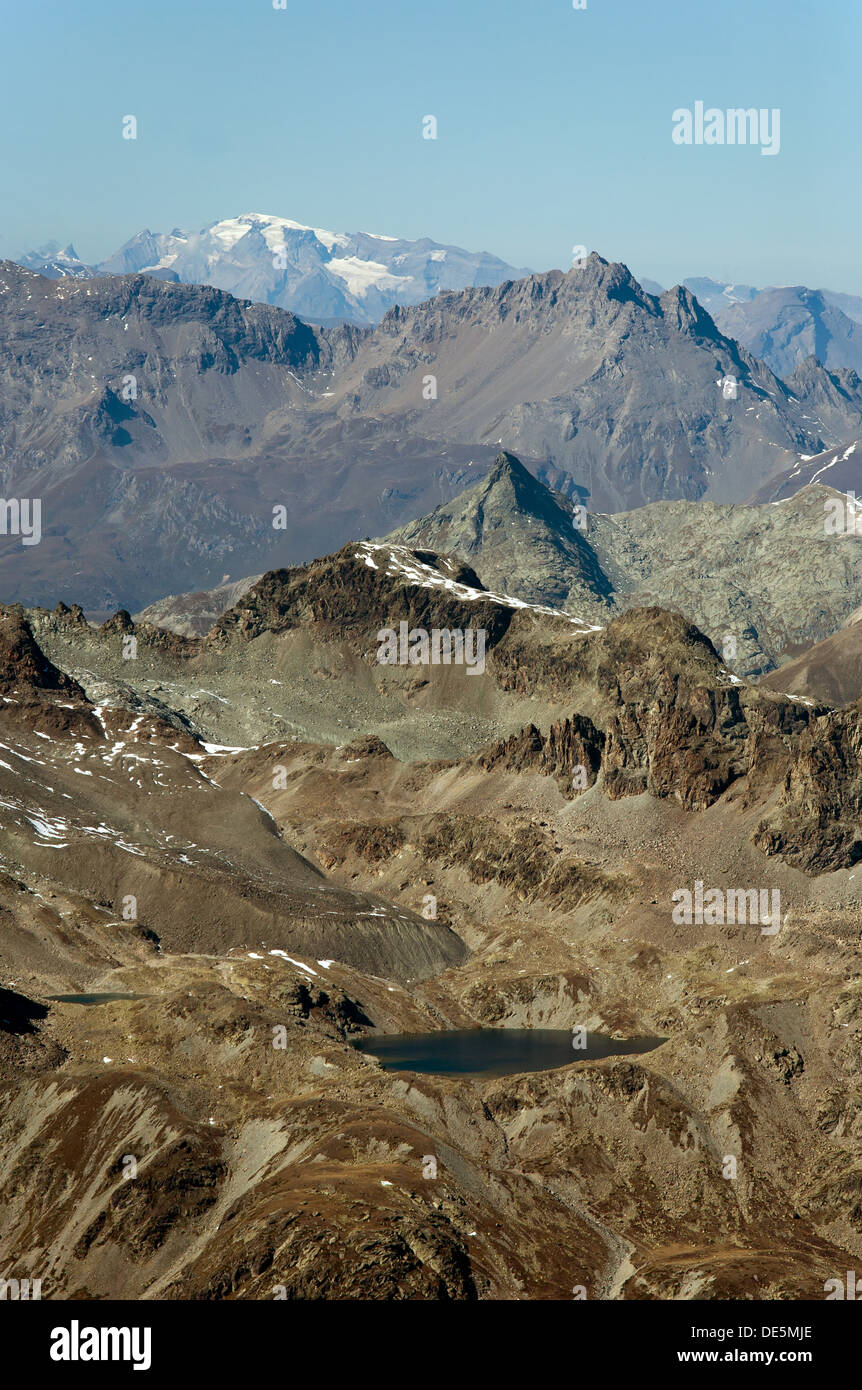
324,276
161,424
528,541
785,324
235,844
719,295
617,395
332,277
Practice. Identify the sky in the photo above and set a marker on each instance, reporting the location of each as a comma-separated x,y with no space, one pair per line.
554,127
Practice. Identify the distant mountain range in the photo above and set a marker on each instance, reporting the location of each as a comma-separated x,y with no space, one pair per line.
160,424
784,324
356,277
619,397
718,295
56,263
323,276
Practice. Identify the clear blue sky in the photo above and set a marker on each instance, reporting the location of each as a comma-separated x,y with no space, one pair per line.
554,126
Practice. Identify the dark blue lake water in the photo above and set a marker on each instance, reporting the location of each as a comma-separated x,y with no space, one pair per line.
494,1051
91,998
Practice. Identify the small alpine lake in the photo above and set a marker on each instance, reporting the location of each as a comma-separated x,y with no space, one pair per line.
91,998
495,1051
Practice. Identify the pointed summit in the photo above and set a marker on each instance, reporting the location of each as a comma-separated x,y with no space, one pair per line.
522,538
24,667
508,469
507,465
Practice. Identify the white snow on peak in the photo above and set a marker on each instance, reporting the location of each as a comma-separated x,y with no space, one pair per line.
163,263
362,276
398,560
231,230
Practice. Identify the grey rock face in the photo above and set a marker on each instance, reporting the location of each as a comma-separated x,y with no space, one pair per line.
163,425
786,326
742,574
589,376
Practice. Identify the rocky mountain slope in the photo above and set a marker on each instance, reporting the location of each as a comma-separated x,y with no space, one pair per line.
829,672
208,1131
664,715
175,435
838,469
617,391
297,656
139,368
192,615
785,326
115,792
523,538
532,542
107,386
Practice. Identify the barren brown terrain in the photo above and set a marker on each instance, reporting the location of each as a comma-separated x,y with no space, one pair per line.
266,847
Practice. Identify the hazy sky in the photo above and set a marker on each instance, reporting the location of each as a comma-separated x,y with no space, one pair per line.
554,126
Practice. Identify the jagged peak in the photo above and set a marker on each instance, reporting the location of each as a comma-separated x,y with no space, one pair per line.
23,664
685,309
508,466
121,621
